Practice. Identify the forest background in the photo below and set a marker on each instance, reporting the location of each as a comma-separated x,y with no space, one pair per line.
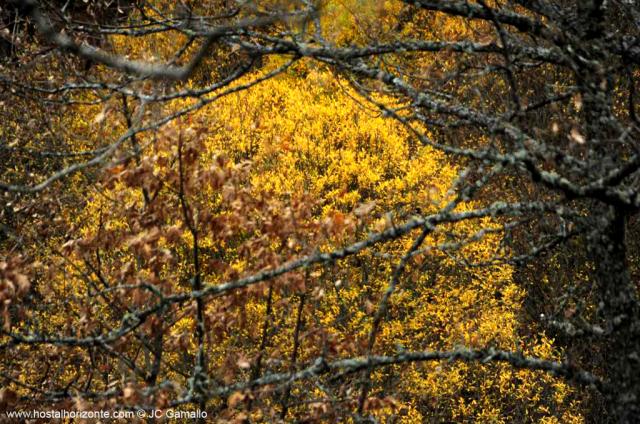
332,211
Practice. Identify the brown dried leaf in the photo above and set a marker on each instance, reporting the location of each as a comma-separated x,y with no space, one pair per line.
576,136
235,399
364,209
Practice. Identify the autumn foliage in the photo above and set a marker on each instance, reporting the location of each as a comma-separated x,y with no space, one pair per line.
272,239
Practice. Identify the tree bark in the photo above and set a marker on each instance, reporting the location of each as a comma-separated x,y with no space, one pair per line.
618,309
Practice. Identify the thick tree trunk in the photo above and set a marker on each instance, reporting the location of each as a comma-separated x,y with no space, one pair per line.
618,308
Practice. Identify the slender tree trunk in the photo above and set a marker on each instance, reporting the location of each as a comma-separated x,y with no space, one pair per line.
618,308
